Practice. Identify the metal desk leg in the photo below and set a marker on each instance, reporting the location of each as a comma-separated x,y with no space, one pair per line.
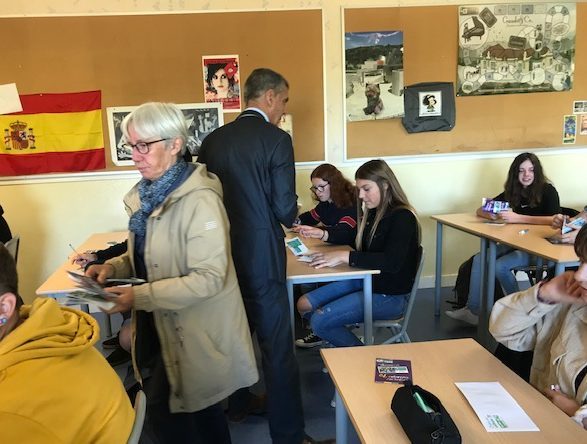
559,268
438,272
539,265
368,309
490,293
482,285
108,324
342,420
290,298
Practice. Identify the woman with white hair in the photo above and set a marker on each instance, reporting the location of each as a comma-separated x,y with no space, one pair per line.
192,345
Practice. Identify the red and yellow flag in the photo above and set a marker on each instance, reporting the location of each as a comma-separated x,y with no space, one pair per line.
53,133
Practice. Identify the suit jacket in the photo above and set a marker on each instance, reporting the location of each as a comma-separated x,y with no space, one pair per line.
255,163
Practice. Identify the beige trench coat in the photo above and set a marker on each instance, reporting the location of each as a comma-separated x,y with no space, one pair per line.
193,293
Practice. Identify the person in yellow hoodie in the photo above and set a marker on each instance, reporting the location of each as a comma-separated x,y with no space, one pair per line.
55,387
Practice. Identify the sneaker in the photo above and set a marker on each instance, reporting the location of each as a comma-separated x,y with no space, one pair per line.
111,343
463,314
118,357
311,340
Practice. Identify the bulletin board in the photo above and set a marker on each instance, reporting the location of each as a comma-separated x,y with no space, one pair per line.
133,59
483,123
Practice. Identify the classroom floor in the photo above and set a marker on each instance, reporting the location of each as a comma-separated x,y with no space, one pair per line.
318,390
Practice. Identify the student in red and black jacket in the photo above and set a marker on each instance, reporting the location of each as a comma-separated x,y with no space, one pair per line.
334,219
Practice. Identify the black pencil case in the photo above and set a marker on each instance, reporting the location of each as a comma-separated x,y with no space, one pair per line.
421,427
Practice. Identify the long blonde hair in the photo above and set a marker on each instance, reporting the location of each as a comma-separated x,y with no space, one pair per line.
392,197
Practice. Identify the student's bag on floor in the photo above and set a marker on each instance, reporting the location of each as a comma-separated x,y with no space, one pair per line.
423,417
463,281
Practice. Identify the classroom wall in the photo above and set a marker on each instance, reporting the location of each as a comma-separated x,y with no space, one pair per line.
51,213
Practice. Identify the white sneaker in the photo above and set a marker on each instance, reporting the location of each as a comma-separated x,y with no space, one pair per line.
463,314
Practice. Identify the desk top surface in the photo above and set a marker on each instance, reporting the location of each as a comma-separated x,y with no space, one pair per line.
297,269
436,366
533,241
59,282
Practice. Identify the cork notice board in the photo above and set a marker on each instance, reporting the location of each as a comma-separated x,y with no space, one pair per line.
483,123
138,58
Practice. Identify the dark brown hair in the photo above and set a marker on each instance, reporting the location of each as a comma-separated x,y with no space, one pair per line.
581,244
342,191
8,275
514,191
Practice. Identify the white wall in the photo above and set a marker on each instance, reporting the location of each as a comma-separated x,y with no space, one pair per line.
51,214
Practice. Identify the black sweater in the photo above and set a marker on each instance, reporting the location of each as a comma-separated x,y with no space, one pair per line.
393,250
341,223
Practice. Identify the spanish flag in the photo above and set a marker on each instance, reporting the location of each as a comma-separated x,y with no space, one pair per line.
53,133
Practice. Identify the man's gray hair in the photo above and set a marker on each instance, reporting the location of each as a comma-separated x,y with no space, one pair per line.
261,80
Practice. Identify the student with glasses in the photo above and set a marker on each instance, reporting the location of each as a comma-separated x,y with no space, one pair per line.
388,239
334,219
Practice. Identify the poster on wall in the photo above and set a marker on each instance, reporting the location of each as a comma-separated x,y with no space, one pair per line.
374,75
569,129
516,48
222,81
583,130
201,118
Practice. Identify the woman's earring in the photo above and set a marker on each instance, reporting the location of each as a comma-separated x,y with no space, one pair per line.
3,320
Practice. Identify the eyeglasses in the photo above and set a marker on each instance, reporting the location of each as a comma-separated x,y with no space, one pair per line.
141,147
320,188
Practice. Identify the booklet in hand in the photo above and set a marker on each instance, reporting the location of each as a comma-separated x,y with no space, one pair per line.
393,370
90,292
297,247
493,206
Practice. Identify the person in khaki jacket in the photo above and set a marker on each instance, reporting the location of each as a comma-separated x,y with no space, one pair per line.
551,319
191,342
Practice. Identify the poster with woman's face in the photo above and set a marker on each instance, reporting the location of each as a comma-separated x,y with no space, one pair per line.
222,81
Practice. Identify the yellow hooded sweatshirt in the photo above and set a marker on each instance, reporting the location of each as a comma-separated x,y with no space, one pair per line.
55,387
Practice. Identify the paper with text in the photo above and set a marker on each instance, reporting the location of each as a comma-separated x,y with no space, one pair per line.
496,408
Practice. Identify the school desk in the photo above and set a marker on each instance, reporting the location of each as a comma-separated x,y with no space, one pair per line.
524,237
436,366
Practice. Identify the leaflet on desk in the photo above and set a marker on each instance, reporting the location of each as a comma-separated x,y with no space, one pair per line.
497,410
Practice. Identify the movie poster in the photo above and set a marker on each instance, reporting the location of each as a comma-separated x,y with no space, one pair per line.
222,81
374,75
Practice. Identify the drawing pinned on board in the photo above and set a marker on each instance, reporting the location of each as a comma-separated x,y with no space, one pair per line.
569,129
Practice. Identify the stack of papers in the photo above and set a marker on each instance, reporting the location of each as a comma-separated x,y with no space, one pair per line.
90,292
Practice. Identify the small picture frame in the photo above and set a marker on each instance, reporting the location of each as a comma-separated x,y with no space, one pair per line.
430,103
429,106
202,119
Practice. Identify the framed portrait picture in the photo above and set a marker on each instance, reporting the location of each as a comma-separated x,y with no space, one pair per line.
201,118
430,103
115,115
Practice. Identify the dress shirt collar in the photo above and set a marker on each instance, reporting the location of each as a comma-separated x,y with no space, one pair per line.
252,108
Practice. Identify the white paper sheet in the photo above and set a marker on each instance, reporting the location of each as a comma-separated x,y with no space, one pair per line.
9,99
497,410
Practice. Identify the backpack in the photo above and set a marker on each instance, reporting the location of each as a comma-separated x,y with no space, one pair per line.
461,288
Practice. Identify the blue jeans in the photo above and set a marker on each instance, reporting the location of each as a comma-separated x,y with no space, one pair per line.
340,303
506,259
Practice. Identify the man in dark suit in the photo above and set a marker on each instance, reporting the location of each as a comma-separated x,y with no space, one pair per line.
255,163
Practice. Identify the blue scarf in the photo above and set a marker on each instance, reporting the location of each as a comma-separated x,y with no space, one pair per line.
152,193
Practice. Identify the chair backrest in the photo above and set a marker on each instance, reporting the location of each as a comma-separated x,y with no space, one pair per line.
140,410
402,323
12,246
412,297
